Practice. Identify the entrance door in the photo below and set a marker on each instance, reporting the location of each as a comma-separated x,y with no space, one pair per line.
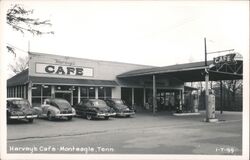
64,95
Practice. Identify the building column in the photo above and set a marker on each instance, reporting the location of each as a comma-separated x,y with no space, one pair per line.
53,92
133,96
144,96
96,92
30,92
181,99
41,94
79,95
154,95
72,96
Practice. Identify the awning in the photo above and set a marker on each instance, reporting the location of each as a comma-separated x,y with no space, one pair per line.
18,79
70,81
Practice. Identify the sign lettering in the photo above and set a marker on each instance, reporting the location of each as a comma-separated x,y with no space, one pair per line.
229,59
63,70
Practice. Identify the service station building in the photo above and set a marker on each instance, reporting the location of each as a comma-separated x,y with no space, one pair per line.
153,88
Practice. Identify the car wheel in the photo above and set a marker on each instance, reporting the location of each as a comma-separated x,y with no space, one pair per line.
50,118
106,118
31,120
69,118
127,115
89,117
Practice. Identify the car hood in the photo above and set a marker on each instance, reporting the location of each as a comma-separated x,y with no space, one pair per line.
103,109
121,107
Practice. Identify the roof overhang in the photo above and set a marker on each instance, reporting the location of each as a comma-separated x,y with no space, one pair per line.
71,82
190,72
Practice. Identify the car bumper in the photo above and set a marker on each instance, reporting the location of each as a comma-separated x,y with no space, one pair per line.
23,117
105,114
125,114
65,115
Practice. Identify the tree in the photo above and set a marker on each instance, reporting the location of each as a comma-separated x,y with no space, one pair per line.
20,65
20,19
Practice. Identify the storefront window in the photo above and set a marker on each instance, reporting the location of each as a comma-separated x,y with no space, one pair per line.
101,94
84,92
36,90
108,92
91,92
39,93
46,90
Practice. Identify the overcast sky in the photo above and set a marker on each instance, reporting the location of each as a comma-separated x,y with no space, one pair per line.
158,33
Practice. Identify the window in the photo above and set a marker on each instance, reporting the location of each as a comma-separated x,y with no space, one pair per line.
108,92
101,94
84,92
91,92
39,93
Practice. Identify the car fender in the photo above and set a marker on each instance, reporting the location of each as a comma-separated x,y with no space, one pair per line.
52,110
38,110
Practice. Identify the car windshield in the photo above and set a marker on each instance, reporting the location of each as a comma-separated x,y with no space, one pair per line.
98,103
62,103
21,104
118,101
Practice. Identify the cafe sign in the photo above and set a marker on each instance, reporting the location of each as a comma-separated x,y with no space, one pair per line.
64,70
228,59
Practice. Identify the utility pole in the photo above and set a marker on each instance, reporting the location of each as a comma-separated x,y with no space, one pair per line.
205,46
206,82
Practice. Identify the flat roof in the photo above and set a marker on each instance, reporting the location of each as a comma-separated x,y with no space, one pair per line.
190,72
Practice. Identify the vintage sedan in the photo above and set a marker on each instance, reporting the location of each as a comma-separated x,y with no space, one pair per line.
94,108
55,108
20,108
120,107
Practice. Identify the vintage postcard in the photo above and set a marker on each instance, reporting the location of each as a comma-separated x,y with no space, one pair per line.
124,79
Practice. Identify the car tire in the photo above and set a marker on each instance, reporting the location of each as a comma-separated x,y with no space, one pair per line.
8,117
30,120
69,118
50,118
88,117
106,118
127,116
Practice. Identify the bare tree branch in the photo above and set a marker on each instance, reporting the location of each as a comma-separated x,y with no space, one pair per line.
20,20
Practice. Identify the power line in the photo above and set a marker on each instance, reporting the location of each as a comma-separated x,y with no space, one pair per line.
228,50
17,48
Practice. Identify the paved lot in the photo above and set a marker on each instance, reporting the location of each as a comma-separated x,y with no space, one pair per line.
142,134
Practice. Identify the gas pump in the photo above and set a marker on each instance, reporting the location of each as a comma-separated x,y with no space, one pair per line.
211,105
195,102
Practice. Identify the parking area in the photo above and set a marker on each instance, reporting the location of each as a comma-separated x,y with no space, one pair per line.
145,133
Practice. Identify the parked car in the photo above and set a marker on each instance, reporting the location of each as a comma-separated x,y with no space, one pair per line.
20,108
94,108
55,108
120,107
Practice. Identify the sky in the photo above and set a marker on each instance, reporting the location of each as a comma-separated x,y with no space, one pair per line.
157,33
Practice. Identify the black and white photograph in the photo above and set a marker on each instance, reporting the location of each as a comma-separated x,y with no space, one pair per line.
125,80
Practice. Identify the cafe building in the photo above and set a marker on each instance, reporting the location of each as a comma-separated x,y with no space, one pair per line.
73,79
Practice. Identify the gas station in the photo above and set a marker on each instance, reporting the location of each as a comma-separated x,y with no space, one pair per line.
227,67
